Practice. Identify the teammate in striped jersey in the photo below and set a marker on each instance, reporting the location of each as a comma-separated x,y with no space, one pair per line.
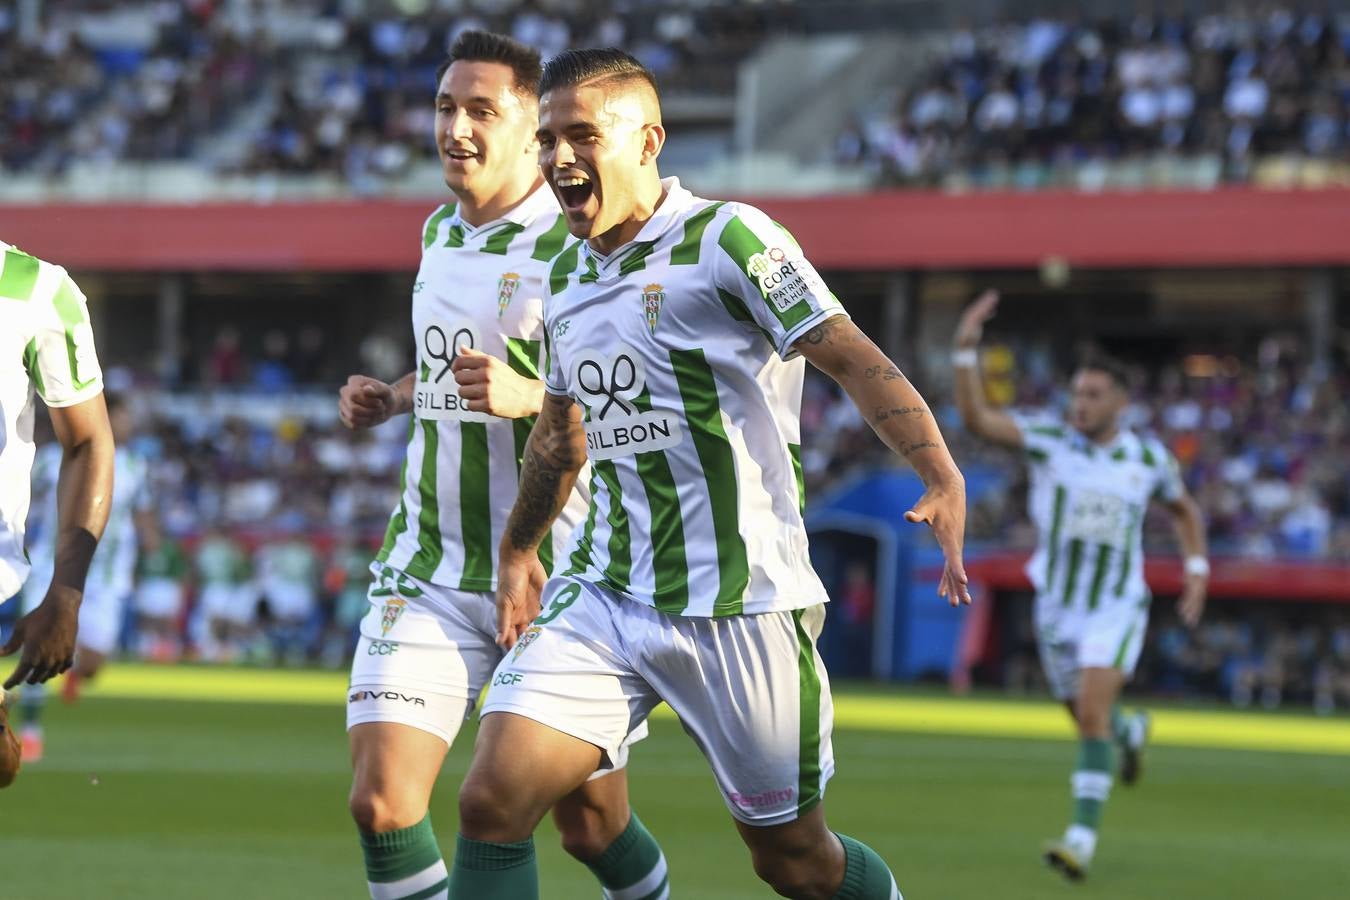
427,644
1091,483
677,328
47,347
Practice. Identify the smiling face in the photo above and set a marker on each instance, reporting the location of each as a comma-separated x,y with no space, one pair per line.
598,144
485,133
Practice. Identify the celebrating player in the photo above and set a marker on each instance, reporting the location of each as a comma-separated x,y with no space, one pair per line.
427,646
675,327
50,346
1091,482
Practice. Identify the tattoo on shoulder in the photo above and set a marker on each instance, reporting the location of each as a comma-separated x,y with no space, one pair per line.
825,332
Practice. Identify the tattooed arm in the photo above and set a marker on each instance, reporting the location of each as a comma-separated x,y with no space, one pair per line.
901,418
554,454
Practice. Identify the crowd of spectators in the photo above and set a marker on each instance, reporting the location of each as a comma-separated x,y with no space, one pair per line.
340,87
1038,101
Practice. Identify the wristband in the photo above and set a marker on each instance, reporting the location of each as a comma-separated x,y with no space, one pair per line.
1196,565
965,358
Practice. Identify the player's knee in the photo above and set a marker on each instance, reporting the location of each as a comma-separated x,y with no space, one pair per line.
487,811
379,812
794,870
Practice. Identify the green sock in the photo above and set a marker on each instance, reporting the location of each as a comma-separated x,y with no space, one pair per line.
487,871
633,866
1120,724
31,701
1091,781
865,874
404,864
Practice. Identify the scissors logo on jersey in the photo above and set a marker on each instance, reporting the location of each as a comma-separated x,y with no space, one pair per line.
620,420
507,286
437,395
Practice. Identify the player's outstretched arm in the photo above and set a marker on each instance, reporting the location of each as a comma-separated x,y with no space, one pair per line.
554,454
901,418
364,402
977,415
493,387
1189,522
84,494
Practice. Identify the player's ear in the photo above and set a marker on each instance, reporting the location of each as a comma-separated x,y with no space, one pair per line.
653,139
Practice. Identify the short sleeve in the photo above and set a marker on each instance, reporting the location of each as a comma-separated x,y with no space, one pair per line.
61,358
554,383
760,268
1041,436
1171,487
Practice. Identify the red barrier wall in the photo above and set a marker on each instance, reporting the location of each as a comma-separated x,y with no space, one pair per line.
1234,227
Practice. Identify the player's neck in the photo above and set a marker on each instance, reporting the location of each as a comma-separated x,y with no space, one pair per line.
648,201
475,212
1106,436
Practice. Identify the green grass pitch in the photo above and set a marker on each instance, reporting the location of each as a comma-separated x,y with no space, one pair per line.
241,792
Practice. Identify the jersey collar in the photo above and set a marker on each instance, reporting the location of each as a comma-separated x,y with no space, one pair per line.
670,213
539,202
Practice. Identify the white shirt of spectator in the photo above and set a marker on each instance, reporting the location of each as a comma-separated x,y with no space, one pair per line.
47,348
1088,504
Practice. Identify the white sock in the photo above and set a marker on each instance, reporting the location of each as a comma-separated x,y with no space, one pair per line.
1082,839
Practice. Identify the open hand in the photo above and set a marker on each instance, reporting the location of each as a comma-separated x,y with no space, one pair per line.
971,327
520,583
943,507
47,636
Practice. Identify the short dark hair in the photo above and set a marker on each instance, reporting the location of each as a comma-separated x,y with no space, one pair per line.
486,46
596,64
1113,368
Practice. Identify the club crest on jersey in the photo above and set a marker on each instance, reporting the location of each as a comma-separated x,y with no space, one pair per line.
653,295
506,291
393,610
526,640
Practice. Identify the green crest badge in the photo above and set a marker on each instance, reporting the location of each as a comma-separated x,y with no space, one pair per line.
526,640
653,295
506,290
393,609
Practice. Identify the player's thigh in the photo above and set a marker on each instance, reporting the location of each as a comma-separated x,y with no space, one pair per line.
753,694
1058,631
570,671
394,768
100,625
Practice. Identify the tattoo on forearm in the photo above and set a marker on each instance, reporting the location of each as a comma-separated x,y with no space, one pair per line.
537,503
881,414
887,373
908,448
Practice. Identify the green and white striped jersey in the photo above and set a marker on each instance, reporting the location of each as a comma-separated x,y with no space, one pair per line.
481,288
1088,503
47,346
678,347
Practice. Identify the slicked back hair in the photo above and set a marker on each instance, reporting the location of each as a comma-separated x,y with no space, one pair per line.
1113,368
486,46
597,64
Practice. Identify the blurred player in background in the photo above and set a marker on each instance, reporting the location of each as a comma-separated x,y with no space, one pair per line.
161,572
678,330
227,596
48,348
427,646
1091,483
289,577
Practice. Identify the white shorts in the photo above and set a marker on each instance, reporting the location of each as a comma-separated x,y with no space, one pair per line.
425,653
159,598
750,690
290,601
101,613
236,604
1072,639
